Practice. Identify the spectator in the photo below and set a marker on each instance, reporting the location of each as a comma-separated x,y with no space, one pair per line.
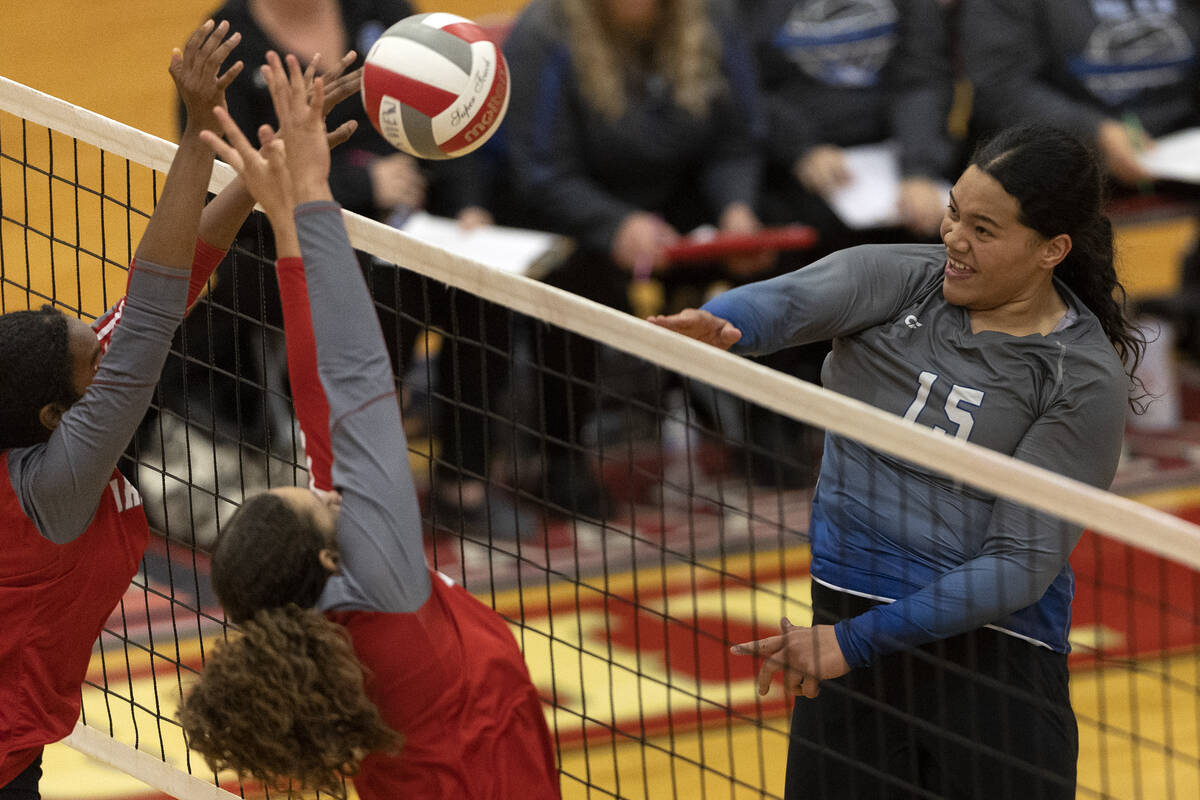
629,124
835,75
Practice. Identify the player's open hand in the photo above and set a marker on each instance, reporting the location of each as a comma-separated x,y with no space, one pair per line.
805,656
701,325
264,171
196,70
299,108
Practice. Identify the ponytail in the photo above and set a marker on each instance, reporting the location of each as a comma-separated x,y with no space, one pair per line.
285,702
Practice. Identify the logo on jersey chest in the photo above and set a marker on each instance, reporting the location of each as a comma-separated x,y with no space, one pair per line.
125,494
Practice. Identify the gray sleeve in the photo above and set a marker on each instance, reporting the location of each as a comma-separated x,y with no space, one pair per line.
842,294
379,528
1005,53
922,91
60,483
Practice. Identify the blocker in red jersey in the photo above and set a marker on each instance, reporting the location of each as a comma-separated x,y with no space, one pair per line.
435,86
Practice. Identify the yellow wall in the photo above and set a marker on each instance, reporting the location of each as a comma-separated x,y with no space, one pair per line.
110,56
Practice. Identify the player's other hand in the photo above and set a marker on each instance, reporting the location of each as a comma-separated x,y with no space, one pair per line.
805,656
700,325
264,172
299,107
196,70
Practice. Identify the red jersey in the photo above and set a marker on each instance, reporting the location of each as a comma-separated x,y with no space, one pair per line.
54,600
449,676
452,681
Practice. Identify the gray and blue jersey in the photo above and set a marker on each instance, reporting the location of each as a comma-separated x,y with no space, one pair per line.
951,557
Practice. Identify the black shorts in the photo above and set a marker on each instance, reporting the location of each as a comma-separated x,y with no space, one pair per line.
980,715
25,785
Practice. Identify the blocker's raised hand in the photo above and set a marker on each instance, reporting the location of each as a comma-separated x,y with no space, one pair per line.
301,125
196,70
264,171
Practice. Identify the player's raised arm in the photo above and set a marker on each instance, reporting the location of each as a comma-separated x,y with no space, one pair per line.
60,484
379,524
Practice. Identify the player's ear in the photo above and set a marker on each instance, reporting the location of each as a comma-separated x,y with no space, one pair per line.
51,414
330,560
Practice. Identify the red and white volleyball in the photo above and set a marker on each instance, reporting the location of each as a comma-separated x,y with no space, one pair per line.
435,86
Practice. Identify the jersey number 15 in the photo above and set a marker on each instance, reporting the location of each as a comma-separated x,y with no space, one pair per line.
958,397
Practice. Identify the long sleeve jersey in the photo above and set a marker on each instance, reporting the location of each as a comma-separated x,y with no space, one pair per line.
580,173
952,558
856,73
73,528
445,671
1074,63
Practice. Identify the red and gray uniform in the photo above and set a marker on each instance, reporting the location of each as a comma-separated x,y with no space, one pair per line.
72,527
445,671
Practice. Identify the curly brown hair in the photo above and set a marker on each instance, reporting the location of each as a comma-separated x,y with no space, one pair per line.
285,702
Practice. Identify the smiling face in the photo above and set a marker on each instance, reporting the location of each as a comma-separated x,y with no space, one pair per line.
995,263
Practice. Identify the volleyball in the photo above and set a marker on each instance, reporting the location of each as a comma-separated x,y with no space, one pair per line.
435,86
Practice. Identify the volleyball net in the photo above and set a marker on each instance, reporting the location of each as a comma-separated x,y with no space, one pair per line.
645,500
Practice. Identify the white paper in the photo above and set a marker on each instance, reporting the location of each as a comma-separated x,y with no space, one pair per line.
871,199
1174,157
512,250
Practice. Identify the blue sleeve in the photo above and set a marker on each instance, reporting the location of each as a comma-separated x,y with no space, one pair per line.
379,527
843,293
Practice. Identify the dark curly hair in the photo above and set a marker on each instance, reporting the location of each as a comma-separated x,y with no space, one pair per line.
1059,185
267,556
35,370
285,703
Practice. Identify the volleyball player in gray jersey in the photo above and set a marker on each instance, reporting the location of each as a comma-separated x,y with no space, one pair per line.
1007,335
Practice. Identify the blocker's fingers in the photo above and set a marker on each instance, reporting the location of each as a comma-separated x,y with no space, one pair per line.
276,83
224,80
341,87
222,150
233,133
221,52
311,69
294,73
341,133
214,42
337,69
266,135
196,39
